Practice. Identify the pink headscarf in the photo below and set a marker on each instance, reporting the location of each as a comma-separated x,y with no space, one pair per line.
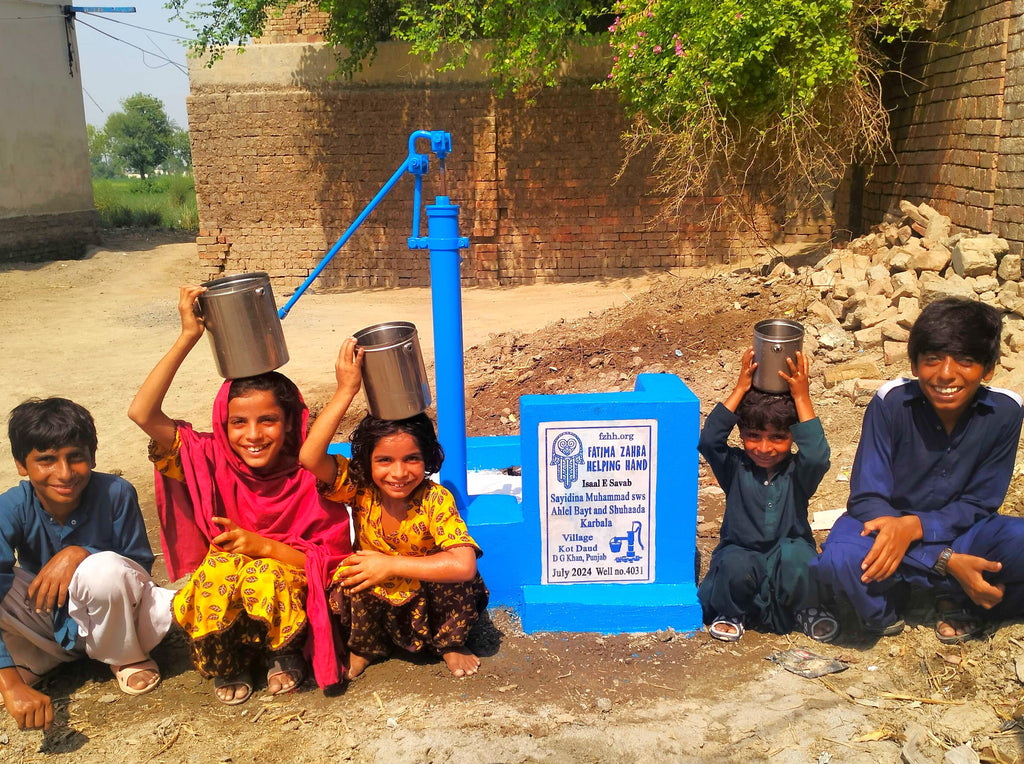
283,505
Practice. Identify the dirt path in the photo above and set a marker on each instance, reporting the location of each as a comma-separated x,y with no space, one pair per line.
92,329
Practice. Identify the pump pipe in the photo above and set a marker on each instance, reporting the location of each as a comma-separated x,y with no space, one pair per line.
444,243
417,164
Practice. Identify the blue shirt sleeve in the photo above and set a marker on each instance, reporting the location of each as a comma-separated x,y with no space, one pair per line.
871,482
10,536
713,444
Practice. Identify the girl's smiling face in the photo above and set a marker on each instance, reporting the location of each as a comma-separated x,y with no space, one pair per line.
397,468
257,429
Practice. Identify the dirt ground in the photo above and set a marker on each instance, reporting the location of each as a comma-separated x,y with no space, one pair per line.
92,329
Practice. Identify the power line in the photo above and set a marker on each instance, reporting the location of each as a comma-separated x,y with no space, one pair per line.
95,103
136,26
173,63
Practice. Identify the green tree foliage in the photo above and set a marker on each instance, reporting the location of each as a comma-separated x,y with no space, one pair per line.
764,100
101,164
179,159
141,136
530,37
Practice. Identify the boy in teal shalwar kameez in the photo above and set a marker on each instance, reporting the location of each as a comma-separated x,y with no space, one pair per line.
759,573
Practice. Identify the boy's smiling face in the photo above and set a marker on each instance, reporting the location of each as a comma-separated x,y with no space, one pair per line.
58,477
766,448
949,382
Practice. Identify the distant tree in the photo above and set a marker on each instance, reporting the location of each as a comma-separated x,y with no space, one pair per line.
179,160
141,136
101,164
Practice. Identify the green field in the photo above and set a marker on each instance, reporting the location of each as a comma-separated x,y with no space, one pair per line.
165,201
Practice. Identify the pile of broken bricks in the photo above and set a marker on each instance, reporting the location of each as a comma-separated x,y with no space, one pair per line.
865,296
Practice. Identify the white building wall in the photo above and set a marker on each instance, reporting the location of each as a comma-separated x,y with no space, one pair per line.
46,204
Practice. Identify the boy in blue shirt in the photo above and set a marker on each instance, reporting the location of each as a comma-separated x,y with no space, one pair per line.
932,468
81,585
759,572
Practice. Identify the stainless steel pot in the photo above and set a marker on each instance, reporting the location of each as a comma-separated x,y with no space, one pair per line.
775,340
241,319
394,376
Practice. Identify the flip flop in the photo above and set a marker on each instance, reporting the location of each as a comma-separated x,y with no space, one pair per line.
244,679
809,619
287,663
890,630
715,629
964,615
124,673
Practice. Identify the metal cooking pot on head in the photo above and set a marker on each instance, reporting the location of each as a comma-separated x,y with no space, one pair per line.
394,376
241,319
775,340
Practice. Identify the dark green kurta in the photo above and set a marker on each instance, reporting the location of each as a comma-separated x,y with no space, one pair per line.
759,570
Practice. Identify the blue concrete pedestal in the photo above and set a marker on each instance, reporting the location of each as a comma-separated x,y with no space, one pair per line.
511,536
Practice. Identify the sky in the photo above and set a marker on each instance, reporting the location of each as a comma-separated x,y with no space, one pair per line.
113,66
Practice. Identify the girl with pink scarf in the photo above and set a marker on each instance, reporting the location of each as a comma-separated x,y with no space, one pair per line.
239,513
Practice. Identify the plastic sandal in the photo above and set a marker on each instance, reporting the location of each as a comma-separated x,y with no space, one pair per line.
891,630
809,619
244,679
964,615
287,663
715,629
124,673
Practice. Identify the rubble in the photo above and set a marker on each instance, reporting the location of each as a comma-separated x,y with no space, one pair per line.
864,297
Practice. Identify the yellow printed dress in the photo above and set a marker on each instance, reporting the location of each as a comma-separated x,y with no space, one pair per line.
404,612
234,607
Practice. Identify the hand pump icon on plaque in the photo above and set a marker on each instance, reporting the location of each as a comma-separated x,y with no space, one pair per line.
632,538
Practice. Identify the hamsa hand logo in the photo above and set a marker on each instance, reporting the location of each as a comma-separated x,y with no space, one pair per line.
566,457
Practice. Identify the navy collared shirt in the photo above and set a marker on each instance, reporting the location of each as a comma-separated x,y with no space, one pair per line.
760,510
907,464
108,519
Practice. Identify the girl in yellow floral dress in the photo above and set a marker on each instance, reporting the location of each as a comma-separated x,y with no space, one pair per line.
413,583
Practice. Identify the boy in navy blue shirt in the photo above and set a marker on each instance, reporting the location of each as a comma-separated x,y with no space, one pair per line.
932,468
759,572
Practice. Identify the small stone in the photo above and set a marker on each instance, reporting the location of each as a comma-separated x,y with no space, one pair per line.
1009,267
604,705
894,352
108,699
869,337
978,255
392,723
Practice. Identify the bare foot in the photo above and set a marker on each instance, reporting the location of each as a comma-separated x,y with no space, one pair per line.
461,662
356,665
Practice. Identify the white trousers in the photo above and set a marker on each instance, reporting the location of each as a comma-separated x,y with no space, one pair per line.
121,616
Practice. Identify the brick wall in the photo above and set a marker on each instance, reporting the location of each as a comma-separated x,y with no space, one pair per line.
285,160
296,23
1007,218
950,120
60,236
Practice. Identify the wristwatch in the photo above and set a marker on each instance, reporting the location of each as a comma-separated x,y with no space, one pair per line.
941,563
